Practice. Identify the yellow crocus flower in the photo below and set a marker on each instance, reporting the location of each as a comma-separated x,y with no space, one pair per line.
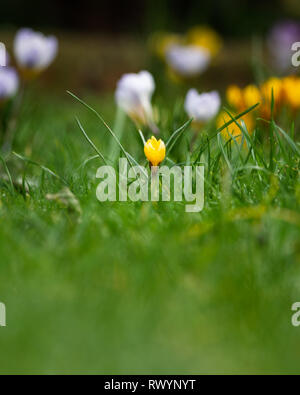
155,151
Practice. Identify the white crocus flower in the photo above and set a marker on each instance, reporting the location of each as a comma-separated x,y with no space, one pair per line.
9,82
33,51
188,60
133,95
202,107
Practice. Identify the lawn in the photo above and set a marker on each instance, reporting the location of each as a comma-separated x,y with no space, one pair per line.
133,288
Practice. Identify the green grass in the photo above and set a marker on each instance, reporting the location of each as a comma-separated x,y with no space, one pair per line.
141,287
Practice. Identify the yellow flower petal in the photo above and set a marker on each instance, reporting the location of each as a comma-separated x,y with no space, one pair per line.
251,95
155,151
234,96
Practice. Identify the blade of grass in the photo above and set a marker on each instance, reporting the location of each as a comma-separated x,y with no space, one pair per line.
104,123
85,162
208,157
234,119
11,184
288,139
220,144
248,139
138,165
119,130
90,141
237,146
142,137
225,126
249,167
175,136
281,145
272,127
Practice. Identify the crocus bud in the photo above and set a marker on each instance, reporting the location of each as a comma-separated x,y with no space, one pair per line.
202,107
9,83
188,60
133,95
155,151
34,52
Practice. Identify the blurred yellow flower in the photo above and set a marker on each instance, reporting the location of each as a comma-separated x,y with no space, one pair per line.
234,96
205,37
271,85
242,99
155,151
285,91
291,91
233,130
251,95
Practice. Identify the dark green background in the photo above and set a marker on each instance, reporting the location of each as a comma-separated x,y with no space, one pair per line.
230,17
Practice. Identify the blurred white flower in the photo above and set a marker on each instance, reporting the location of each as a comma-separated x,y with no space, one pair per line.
9,82
188,60
202,107
133,95
3,61
33,50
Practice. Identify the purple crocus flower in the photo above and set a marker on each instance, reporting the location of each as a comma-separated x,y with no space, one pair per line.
9,82
33,50
188,60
